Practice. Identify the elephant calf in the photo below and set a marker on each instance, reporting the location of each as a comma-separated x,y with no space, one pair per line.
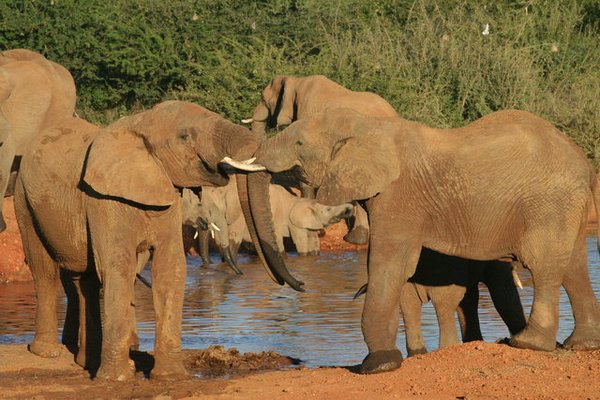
452,285
293,217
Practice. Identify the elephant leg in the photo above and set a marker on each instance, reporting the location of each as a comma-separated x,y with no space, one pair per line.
445,301
505,296
359,233
87,286
468,316
70,333
46,279
547,264
168,287
7,155
586,310
391,261
117,269
411,305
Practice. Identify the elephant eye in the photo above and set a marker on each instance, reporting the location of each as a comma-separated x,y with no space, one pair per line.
184,136
299,142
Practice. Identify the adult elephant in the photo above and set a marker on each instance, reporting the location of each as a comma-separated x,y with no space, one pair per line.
35,93
96,203
291,98
507,186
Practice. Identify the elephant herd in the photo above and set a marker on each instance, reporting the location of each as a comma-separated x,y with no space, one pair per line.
441,210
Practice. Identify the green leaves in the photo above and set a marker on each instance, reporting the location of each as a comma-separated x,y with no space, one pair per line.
429,59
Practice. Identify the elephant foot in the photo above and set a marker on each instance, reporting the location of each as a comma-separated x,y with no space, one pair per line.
116,371
358,235
583,339
528,339
168,370
45,349
416,352
381,361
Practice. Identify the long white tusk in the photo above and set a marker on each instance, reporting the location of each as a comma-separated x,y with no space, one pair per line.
248,121
516,279
245,165
215,226
212,234
196,234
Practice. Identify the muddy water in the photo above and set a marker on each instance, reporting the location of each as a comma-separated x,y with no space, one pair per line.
249,312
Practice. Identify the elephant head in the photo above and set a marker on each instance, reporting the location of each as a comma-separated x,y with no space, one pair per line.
345,158
173,144
276,105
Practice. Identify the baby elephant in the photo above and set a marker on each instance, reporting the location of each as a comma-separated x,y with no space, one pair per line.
293,217
452,285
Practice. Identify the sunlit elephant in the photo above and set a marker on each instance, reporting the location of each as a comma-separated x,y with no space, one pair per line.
291,98
508,186
293,217
99,202
35,93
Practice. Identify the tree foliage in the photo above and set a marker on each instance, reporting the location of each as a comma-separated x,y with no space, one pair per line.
430,59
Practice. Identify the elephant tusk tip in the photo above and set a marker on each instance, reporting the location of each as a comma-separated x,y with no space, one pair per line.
248,121
245,165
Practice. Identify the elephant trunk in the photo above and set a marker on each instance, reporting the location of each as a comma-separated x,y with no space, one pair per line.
203,244
253,190
230,261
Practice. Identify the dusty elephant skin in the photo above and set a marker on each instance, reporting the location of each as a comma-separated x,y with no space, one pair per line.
35,93
292,98
97,203
507,186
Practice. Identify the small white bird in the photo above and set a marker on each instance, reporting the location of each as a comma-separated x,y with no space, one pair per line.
486,30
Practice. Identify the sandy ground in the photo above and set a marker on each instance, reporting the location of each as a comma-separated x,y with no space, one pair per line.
474,370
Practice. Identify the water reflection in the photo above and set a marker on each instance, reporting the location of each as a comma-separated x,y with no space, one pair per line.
251,313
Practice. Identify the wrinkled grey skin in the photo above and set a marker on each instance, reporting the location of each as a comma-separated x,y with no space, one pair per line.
291,98
35,94
96,203
293,217
192,216
508,186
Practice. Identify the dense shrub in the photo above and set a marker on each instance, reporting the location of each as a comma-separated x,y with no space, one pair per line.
429,59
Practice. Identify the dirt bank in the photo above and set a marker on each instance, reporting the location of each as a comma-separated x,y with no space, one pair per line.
470,371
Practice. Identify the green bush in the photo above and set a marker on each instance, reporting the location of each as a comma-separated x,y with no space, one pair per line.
429,59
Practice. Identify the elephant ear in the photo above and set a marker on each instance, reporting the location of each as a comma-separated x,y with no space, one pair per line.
303,215
120,165
360,167
286,100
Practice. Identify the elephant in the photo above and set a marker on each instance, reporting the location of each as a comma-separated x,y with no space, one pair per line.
508,186
293,217
97,203
452,285
195,233
35,93
291,98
